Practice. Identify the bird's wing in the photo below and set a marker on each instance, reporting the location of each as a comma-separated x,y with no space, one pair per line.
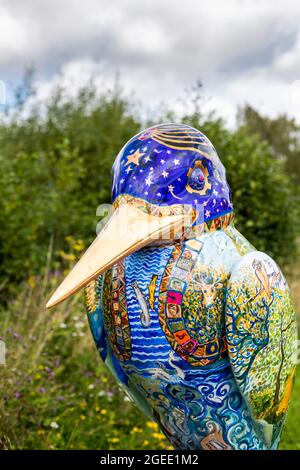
95,317
261,333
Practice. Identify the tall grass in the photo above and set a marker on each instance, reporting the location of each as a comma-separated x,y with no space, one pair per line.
56,394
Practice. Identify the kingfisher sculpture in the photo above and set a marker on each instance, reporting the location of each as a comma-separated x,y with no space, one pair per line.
195,324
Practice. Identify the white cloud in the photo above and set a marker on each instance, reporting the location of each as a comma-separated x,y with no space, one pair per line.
243,50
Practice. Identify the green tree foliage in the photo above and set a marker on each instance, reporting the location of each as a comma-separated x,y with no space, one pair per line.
56,169
281,133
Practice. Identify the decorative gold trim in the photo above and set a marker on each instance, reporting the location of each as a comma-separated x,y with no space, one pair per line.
219,223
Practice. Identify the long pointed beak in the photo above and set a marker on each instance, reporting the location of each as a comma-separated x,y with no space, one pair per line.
128,229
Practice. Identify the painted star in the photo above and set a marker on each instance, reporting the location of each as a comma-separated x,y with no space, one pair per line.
171,188
176,162
128,170
207,213
122,181
147,159
135,157
162,161
205,203
215,192
148,181
165,174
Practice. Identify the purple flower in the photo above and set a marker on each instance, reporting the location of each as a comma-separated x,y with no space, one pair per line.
42,390
17,394
60,398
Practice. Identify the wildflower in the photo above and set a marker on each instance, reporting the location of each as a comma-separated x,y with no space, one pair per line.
54,425
60,398
158,435
76,317
37,376
113,439
17,395
97,408
42,390
152,425
104,411
63,325
91,386
135,429
79,245
74,333
79,324
145,443
31,281
82,417
101,393
104,380
80,333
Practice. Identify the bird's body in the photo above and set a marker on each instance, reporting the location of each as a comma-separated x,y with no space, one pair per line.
195,324
178,369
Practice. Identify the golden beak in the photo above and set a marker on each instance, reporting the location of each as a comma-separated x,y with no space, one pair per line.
128,230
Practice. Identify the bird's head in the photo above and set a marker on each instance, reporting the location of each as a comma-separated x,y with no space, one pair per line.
168,183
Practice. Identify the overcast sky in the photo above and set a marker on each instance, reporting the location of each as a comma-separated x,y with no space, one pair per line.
242,50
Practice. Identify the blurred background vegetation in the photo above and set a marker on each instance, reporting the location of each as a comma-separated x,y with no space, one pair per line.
56,159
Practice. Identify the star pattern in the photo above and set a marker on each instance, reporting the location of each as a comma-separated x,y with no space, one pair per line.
135,157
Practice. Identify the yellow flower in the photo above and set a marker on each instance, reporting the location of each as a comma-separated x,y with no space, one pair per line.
103,412
31,281
152,425
104,380
40,432
58,435
97,408
37,376
136,429
82,417
145,443
114,439
158,435
79,245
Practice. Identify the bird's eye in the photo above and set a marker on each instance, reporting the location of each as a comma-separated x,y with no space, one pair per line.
197,179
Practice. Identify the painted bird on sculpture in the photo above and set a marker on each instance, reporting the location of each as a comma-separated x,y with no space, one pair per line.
185,313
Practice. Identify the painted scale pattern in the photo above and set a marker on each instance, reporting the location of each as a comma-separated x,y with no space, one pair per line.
179,372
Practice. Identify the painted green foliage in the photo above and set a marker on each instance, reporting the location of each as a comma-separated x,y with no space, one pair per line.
262,336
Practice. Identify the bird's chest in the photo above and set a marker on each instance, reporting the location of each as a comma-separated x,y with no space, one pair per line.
161,300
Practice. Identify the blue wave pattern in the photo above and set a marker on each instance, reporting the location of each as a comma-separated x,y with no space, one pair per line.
148,344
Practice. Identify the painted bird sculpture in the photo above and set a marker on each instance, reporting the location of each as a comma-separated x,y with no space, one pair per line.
195,324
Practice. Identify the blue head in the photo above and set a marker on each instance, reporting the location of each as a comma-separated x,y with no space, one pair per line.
171,164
